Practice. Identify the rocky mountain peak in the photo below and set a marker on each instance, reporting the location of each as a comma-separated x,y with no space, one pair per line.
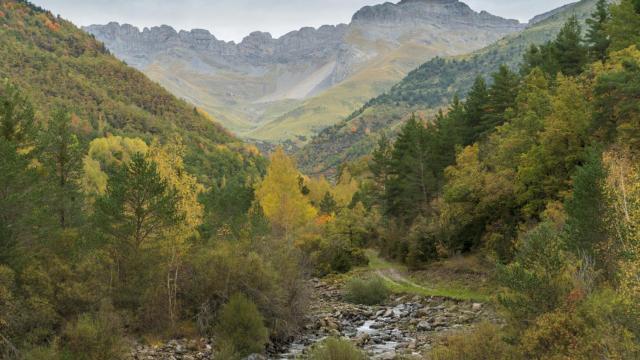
261,79
429,10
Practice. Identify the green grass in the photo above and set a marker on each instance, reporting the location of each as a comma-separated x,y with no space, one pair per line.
409,285
452,293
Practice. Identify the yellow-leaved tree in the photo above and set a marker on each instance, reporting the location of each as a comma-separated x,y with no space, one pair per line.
175,244
281,199
104,154
623,189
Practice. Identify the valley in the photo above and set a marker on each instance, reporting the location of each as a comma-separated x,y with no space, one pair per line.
427,181
292,87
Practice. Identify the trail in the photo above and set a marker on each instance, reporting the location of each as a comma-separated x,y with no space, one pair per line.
394,276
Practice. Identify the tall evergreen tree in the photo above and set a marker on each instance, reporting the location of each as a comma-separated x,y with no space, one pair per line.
380,167
597,37
585,227
502,96
17,178
570,52
624,26
134,214
474,109
412,182
61,155
543,57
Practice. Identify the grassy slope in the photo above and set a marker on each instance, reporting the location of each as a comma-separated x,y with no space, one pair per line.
425,89
316,113
55,63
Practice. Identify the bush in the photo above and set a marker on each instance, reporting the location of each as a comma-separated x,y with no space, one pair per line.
483,343
273,281
338,257
371,291
598,327
336,349
95,337
241,327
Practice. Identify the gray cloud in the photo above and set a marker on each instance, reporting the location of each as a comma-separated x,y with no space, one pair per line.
234,19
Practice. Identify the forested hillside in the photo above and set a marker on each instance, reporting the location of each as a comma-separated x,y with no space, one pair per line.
55,64
128,217
133,227
539,171
424,91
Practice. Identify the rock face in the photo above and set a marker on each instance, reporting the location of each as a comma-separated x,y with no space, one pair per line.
263,81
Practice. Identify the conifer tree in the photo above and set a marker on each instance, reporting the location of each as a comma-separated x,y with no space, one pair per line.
412,182
585,227
569,50
597,38
134,214
328,205
61,155
474,109
17,179
543,57
624,26
502,96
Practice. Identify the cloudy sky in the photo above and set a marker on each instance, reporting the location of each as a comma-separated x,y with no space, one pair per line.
234,19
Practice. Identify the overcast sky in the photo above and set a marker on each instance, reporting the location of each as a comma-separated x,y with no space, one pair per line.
234,19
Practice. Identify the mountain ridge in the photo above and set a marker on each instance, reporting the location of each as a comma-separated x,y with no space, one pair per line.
424,90
290,87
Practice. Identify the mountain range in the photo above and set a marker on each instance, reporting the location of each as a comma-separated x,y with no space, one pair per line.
427,89
292,87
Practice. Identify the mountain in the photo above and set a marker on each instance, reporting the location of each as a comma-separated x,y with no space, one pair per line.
425,90
294,86
56,64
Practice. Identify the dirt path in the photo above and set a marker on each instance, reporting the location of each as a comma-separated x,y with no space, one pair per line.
396,277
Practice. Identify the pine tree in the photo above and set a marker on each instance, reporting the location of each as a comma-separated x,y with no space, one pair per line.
18,181
412,182
597,38
569,50
616,94
542,57
502,96
135,214
328,205
585,227
61,155
474,109
624,26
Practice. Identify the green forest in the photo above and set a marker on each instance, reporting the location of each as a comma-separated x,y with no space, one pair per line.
128,217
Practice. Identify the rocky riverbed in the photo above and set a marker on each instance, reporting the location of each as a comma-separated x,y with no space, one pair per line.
406,326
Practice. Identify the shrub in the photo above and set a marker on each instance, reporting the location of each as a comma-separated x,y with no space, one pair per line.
95,337
599,327
241,327
338,257
371,291
336,349
273,281
483,343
